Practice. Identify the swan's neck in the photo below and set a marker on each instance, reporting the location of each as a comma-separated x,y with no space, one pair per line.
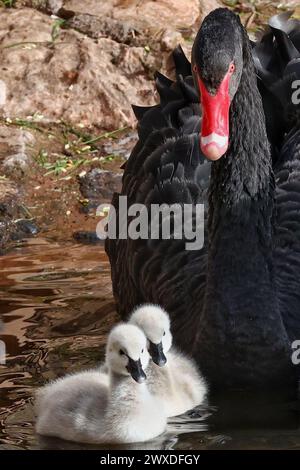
241,202
243,177
240,316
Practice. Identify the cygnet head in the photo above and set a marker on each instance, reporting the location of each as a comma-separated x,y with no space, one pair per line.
126,351
155,323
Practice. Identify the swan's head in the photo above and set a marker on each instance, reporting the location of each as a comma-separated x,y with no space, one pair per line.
126,351
217,63
155,323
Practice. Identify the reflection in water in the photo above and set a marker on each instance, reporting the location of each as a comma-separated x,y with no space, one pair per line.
57,307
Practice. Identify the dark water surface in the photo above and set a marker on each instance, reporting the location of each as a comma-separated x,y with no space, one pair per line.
57,307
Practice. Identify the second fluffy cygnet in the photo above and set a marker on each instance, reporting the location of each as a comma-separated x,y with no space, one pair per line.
172,377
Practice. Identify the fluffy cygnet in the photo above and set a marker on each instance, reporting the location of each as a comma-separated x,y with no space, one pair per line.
172,377
94,407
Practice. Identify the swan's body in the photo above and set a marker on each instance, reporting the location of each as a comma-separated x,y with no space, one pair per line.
177,383
277,59
73,407
231,303
92,407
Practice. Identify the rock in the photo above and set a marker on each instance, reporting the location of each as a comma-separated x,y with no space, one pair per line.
170,39
13,222
14,150
2,93
146,14
54,5
8,210
17,163
99,185
90,77
97,27
87,238
93,7
206,6
47,6
121,147
12,227
74,77
24,228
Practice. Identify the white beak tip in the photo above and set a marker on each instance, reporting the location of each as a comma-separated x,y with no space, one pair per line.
214,146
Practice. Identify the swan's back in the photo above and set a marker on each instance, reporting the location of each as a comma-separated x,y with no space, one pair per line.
278,63
287,235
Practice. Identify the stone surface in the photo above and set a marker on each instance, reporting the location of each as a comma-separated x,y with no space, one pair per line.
15,150
173,14
48,6
99,185
99,27
2,93
8,210
74,78
15,162
206,6
13,222
93,69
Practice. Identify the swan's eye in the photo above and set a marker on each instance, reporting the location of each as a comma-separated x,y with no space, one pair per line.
164,333
232,68
121,352
195,68
142,351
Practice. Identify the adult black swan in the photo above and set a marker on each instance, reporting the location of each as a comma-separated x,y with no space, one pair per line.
222,298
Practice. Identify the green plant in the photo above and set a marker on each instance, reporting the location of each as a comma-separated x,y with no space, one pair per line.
30,124
7,3
62,164
42,157
55,32
109,158
57,167
106,135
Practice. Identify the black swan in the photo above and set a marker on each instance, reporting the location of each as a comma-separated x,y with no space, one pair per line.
222,298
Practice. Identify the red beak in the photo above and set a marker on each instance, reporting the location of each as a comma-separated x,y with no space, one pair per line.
215,121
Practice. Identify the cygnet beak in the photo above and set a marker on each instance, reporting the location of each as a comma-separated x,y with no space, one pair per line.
135,370
156,351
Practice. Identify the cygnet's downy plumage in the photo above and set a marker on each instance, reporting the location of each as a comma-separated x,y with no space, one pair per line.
93,407
172,377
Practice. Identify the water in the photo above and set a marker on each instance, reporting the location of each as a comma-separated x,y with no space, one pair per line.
57,307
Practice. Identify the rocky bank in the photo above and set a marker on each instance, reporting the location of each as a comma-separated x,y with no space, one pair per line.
69,72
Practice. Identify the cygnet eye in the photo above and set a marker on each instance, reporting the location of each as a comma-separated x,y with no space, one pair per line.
121,352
